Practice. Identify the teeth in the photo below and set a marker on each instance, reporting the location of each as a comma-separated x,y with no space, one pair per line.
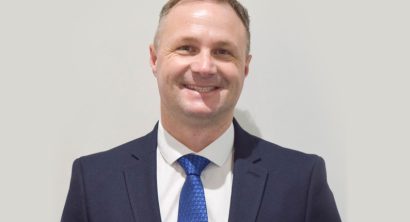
201,89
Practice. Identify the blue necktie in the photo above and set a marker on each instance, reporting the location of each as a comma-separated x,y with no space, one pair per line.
192,205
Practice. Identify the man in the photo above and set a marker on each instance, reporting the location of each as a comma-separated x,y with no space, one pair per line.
200,58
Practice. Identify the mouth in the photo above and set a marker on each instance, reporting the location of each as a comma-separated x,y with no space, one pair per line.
201,89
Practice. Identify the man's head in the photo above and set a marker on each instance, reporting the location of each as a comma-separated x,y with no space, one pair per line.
200,59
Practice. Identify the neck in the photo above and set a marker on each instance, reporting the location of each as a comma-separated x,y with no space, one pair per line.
195,134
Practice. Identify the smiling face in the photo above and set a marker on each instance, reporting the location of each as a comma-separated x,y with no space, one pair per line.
200,60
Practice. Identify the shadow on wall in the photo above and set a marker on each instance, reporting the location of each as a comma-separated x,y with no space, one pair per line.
247,122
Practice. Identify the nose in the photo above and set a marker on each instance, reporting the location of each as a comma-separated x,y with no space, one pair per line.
204,64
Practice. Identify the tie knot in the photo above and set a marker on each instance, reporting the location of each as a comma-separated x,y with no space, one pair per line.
193,164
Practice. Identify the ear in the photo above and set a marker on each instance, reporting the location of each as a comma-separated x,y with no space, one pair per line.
153,59
247,62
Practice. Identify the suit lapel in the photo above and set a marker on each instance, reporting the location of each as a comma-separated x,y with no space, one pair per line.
141,180
249,178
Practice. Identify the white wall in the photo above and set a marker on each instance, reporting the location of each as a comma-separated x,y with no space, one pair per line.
327,77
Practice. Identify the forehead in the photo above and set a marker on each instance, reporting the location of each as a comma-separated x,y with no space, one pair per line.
211,16
199,8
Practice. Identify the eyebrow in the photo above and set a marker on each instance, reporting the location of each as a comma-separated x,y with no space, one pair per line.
227,44
219,43
187,39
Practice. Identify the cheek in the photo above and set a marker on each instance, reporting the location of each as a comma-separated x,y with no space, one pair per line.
173,66
167,78
234,74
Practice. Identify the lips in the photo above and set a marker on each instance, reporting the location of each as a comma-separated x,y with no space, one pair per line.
201,89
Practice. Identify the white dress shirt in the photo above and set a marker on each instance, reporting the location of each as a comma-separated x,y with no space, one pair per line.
216,177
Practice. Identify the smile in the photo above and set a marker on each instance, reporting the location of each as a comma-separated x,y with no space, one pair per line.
201,89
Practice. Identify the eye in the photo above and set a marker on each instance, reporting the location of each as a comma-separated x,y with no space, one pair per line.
222,52
186,49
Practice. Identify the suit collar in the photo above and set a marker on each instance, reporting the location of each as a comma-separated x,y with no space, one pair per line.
141,179
249,177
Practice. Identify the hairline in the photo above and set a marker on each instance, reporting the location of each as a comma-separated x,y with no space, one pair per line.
245,21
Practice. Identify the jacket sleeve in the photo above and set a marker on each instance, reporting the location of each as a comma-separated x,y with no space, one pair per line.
75,209
321,205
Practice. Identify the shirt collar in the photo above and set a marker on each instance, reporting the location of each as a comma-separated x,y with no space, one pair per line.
217,152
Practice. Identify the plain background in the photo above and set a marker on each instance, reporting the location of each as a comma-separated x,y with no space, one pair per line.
327,77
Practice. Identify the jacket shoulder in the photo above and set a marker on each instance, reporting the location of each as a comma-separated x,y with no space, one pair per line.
274,151
121,156
248,146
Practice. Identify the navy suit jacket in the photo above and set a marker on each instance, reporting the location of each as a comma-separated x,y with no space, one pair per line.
270,183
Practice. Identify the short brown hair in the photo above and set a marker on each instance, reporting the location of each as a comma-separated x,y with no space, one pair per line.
240,10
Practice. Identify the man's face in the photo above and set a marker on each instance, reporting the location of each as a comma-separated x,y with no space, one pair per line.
200,60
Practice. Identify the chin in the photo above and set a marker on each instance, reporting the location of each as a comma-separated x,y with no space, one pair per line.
198,112
204,113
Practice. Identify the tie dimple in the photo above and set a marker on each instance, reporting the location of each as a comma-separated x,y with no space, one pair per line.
192,205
